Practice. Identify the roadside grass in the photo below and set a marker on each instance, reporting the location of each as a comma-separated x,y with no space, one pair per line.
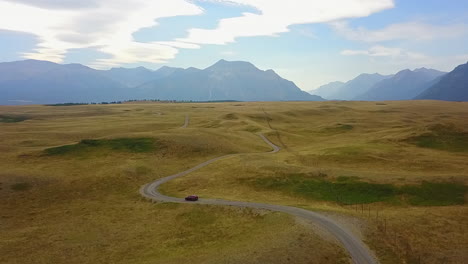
345,192
348,190
135,145
435,194
12,118
418,234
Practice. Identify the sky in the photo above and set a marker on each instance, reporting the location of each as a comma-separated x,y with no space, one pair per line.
310,42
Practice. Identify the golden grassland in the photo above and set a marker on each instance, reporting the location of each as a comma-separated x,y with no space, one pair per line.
82,203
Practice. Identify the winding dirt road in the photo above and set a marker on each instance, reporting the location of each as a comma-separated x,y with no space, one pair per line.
359,253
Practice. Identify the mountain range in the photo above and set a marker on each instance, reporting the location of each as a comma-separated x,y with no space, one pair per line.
42,82
136,76
450,87
405,85
350,89
226,80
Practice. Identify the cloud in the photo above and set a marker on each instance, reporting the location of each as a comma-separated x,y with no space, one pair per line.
382,51
276,16
416,31
64,25
58,4
395,56
108,24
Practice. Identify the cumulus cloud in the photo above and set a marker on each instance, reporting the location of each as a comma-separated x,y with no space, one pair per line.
64,25
276,16
417,31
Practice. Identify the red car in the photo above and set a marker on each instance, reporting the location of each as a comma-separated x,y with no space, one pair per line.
192,198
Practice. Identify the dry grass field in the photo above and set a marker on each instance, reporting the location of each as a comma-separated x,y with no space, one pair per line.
394,172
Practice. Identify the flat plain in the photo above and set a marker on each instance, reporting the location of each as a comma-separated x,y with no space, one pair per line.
393,172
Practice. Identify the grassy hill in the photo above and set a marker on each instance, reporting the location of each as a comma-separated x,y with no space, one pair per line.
394,172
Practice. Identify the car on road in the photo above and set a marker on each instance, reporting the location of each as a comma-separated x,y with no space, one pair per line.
192,198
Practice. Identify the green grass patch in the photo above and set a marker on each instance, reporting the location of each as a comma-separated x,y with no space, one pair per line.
435,194
197,217
135,145
12,119
253,129
22,186
442,137
347,151
338,128
346,178
350,190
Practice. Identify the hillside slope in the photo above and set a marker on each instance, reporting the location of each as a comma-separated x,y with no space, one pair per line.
451,87
405,85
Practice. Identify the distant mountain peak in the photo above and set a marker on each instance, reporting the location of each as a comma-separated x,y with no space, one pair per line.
270,71
192,69
165,67
404,71
421,69
368,75
224,65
